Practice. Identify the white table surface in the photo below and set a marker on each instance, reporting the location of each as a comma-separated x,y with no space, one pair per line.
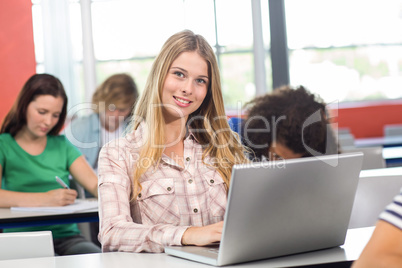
355,241
392,152
8,216
378,141
7,213
391,171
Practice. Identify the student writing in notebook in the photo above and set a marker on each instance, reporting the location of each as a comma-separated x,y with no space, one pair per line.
166,181
288,123
32,154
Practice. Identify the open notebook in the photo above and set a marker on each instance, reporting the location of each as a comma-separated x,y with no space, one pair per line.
79,205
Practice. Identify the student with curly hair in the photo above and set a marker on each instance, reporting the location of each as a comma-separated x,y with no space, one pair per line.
288,123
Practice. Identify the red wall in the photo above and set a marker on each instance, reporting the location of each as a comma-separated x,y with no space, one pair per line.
369,119
364,119
17,55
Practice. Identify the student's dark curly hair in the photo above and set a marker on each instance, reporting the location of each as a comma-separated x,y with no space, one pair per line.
291,116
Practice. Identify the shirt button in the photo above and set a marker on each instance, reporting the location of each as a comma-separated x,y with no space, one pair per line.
169,189
190,181
188,158
139,195
195,210
211,181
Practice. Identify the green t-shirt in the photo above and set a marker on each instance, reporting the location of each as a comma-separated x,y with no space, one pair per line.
23,172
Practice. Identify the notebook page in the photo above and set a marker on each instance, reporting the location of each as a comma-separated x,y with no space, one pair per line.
79,205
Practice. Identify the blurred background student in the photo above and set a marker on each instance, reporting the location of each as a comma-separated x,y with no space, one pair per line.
288,123
112,101
32,153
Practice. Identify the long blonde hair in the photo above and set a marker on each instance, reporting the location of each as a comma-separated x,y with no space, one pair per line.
218,141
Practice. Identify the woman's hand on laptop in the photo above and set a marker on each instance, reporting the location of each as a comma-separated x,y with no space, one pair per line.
201,236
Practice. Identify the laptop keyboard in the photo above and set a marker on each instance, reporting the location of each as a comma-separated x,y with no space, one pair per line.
213,250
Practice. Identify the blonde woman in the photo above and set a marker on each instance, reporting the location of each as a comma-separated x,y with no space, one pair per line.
165,182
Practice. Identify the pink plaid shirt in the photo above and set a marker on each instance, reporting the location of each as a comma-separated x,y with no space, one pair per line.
172,199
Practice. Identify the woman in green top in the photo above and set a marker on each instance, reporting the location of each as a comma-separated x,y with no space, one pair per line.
32,154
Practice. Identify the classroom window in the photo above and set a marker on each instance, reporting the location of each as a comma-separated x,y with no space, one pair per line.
346,50
128,34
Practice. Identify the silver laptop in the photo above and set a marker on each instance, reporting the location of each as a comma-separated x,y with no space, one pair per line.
283,207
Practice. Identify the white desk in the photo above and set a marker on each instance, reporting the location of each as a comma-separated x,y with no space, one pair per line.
355,241
392,171
392,152
13,219
379,141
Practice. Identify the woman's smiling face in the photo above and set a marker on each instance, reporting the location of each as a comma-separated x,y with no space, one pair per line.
185,86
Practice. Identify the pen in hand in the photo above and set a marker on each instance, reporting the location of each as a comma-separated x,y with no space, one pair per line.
62,183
